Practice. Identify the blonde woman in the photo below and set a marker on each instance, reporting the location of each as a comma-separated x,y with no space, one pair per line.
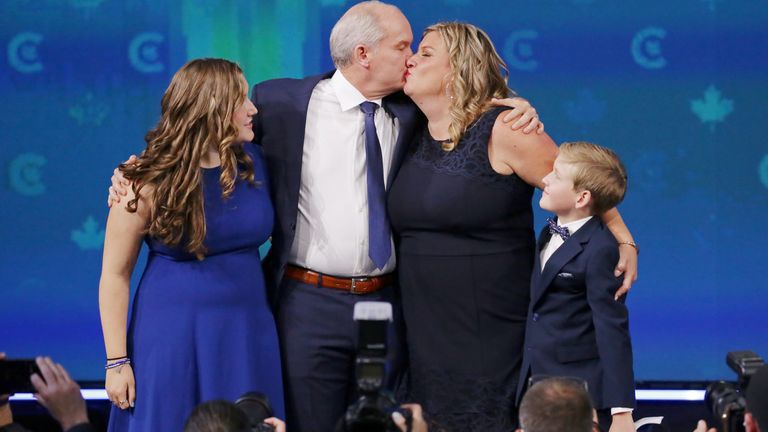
200,326
461,209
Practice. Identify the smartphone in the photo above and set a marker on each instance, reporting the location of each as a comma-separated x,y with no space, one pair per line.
14,375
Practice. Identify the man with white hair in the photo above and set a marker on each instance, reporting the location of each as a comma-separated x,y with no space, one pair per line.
333,143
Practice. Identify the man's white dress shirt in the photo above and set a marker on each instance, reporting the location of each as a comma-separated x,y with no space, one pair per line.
332,224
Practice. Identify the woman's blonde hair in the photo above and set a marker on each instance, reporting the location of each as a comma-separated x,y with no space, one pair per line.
477,74
197,113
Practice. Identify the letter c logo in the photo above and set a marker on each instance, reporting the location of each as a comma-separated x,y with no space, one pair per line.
22,52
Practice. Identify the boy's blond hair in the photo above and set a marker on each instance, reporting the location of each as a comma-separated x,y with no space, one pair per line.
598,170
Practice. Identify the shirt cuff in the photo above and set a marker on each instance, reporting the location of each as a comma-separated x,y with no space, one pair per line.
620,410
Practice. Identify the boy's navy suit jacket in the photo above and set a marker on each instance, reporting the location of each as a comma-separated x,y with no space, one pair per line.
575,327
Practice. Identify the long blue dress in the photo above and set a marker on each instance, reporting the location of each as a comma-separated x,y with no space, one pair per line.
203,330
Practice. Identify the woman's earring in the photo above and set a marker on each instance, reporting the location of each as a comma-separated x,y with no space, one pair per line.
448,92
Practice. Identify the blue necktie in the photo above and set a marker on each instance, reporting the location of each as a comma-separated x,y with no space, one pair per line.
379,246
554,228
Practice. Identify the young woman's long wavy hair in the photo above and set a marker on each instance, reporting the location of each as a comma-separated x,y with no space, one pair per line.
477,74
197,113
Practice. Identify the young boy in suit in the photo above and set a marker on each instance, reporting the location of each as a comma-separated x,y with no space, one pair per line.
575,326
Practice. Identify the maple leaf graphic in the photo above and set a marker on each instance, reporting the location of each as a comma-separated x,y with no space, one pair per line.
585,110
712,4
89,110
712,108
89,237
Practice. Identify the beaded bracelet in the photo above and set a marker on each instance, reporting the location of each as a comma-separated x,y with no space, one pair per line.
117,363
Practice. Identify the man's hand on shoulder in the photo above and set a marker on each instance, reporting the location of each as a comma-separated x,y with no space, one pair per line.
119,184
522,111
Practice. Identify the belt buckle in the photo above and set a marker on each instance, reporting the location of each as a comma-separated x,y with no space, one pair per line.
353,288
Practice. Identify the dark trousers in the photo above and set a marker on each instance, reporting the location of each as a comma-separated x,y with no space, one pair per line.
318,338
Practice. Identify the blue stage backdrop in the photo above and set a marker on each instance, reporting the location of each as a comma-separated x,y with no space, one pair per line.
677,88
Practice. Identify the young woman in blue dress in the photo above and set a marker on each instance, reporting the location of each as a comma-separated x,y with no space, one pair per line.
200,327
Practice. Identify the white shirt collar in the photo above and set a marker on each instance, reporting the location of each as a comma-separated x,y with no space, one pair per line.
349,96
574,226
555,241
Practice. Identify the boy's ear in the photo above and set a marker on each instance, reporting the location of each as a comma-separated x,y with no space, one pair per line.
584,199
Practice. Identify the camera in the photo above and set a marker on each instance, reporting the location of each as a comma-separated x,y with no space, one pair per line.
15,375
257,408
726,399
372,411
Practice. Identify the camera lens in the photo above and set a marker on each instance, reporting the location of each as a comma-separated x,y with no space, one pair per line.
723,398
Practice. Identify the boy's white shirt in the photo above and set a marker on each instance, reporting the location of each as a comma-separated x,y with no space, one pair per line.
556,241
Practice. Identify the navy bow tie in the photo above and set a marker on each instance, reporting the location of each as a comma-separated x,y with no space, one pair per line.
554,228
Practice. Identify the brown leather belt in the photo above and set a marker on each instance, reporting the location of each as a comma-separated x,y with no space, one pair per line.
362,285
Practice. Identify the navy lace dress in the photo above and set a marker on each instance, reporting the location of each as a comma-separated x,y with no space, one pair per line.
465,258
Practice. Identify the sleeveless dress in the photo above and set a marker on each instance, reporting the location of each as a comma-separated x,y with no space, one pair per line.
203,330
466,245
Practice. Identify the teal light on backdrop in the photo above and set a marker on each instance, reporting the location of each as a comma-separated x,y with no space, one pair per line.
678,89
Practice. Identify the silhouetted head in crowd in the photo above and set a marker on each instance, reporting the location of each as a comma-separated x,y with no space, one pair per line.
556,405
217,416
